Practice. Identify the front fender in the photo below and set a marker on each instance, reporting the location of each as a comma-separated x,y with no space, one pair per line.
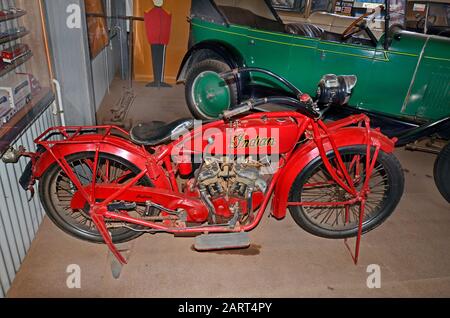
110,145
344,137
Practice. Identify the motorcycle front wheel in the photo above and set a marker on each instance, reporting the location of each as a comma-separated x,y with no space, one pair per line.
315,184
56,191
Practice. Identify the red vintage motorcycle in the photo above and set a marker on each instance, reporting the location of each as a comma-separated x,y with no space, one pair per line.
105,185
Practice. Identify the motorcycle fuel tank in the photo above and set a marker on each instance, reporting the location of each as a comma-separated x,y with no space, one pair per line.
250,136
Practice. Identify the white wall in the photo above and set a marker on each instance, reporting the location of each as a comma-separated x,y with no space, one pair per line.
104,68
19,218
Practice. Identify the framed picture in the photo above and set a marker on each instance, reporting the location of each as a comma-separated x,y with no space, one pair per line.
97,27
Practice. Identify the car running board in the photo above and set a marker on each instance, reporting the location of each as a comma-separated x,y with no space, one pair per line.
211,242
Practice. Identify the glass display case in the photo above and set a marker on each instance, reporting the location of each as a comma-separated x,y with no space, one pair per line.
25,71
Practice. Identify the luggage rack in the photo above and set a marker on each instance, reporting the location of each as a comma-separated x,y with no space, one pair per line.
67,135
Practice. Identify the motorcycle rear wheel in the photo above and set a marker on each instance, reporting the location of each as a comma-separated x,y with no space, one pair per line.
315,184
56,191
442,172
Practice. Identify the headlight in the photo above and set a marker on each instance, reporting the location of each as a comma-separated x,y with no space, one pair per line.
335,89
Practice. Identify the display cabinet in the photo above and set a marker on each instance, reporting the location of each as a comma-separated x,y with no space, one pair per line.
25,71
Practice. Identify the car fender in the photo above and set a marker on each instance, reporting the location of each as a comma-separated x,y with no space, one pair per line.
228,54
109,145
344,137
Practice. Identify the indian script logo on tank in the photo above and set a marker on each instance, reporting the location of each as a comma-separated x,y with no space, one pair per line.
243,141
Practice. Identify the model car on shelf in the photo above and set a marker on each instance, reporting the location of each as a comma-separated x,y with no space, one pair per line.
6,110
12,32
15,93
33,82
403,77
11,54
18,88
11,11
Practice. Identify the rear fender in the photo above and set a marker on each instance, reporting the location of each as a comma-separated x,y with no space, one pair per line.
344,137
109,145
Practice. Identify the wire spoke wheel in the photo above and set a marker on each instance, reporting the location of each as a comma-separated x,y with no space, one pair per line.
324,213
57,191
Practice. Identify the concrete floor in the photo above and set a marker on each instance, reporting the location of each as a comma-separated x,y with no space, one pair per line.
412,248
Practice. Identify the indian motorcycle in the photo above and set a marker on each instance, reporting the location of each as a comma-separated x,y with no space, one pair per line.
106,185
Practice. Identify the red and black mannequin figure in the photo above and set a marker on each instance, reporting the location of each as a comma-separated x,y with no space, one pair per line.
158,23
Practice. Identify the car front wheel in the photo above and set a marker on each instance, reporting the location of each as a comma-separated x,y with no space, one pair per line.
207,94
442,172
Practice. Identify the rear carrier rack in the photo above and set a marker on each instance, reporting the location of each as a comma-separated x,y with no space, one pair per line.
68,135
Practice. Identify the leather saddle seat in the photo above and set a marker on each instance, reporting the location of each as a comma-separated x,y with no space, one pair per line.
157,133
305,29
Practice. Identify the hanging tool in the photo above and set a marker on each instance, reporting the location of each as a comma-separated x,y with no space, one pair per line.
120,111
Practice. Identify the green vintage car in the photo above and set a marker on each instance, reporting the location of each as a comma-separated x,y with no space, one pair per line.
400,74
403,77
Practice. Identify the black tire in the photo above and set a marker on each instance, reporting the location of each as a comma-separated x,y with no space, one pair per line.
209,65
387,167
65,220
442,172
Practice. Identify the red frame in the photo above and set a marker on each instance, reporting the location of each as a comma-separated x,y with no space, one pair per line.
159,168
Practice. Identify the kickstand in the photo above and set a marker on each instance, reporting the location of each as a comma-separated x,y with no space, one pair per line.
355,256
116,266
99,222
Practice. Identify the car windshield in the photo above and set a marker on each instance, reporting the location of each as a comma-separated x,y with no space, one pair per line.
428,17
301,5
347,8
322,5
438,14
396,13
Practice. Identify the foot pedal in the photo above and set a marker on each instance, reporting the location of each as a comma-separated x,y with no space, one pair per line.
211,242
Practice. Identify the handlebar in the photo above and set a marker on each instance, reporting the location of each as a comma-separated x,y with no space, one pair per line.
242,108
235,72
246,106
288,101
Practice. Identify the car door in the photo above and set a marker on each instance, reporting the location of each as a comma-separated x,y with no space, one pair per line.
302,71
269,50
391,74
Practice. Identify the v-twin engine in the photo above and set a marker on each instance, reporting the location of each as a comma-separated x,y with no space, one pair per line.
232,189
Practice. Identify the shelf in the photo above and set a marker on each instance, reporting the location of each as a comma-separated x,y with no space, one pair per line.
12,16
33,63
14,37
9,67
25,117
